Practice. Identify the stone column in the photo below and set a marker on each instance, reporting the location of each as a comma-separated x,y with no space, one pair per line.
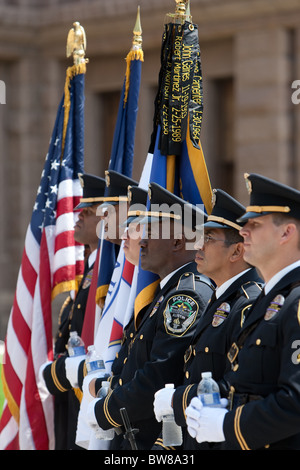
262,96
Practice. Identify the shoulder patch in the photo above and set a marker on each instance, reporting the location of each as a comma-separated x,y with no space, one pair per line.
221,314
180,313
88,279
274,307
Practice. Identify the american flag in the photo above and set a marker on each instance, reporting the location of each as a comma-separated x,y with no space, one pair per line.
50,263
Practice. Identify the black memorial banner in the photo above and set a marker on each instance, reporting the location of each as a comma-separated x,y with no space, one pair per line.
179,101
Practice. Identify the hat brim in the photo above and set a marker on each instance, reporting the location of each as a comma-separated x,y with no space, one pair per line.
148,219
213,224
133,219
251,215
82,205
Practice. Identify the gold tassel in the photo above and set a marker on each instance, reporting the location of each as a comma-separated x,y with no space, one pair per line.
134,54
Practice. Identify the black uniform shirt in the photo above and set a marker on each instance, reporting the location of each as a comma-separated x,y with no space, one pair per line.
266,373
155,355
212,340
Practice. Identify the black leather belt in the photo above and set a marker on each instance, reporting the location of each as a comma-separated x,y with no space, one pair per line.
238,399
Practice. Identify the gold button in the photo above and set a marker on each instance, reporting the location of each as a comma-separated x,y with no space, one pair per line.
258,341
117,355
79,306
120,382
125,360
131,335
206,349
187,374
194,352
142,336
235,368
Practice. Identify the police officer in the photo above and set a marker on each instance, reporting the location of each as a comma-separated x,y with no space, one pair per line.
220,257
137,198
155,351
264,403
64,374
72,313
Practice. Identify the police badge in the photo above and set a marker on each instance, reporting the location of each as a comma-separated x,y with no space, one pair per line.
221,314
179,314
274,307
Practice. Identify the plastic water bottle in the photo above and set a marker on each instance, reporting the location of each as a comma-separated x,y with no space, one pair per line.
94,362
75,345
171,432
208,391
106,435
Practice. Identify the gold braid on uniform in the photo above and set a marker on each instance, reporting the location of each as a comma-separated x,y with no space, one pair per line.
106,413
237,429
67,300
55,379
159,442
184,398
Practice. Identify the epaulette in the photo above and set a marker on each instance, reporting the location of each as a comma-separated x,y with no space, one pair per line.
188,280
251,288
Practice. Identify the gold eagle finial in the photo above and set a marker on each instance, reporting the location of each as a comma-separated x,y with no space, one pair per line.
76,43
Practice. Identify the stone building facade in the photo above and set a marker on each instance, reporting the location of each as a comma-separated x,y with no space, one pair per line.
250,53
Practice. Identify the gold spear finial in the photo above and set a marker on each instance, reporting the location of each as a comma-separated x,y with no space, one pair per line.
137,32
180,7
76,44
182,12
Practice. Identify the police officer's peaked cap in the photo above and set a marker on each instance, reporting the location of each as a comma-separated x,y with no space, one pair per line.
93,188
137,199
268,197
165,205
225,211
117,187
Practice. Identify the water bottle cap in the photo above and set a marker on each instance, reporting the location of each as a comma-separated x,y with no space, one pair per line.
105,383
73,333
206,375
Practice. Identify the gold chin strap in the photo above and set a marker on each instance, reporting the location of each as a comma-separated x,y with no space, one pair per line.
260,209
214,218
154,214
105,199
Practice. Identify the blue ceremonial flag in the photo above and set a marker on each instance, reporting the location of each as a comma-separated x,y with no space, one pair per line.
178,163
122,154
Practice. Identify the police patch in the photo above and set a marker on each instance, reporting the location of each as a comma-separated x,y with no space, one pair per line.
156,306
221,314
88,279
274,307
180,313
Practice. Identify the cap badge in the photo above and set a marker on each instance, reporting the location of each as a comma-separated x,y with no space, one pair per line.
248,183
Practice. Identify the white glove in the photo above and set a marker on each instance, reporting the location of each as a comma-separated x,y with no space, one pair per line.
41,382
163,403
86,382
91,418
71,366
90,414
206,423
